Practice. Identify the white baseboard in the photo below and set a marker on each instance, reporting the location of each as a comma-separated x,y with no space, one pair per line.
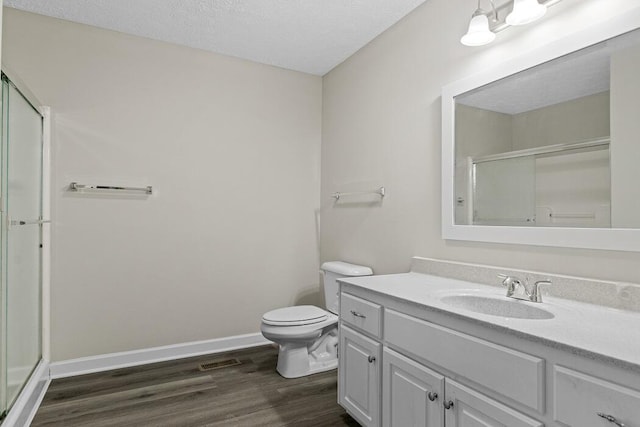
29,399
105,362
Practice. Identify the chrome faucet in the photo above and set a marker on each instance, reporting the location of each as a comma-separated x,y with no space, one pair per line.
519,290
512,283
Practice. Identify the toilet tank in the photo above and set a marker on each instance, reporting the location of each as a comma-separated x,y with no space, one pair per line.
333,270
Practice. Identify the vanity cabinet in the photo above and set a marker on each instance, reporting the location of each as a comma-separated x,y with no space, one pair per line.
397,369
412,394
378,385
510,373
468,408
584,400
359,376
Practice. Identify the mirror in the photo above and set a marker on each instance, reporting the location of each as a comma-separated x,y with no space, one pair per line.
547,147
536,148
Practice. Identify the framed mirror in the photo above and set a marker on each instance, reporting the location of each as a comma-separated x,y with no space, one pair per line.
545,149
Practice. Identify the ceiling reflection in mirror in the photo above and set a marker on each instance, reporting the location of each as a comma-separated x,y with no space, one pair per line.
557,145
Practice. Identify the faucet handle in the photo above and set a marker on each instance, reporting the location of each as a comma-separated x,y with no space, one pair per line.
536,296
508,280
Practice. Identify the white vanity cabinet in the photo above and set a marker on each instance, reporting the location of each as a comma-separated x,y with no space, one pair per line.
378,385
359,378
514,374
584,400
468,408
402,366
360,355
412,394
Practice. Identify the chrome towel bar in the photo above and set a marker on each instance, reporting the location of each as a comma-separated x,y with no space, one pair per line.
74,186
380,191
573,215
34,222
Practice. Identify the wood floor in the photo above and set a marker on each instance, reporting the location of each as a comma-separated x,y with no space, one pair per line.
177,393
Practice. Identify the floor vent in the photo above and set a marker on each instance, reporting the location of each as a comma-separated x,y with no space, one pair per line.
219,364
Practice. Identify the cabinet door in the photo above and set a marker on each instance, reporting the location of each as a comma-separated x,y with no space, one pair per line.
468,408
359,376
411,393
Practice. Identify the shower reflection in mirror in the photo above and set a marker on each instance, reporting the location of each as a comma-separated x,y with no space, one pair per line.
555,145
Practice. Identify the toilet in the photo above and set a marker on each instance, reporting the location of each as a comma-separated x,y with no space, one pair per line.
307,335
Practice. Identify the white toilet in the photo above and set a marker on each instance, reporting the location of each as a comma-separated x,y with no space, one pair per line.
308,335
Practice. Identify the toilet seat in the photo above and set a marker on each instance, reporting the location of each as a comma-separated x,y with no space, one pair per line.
295,316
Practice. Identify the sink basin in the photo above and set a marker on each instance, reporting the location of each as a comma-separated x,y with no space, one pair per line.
497,306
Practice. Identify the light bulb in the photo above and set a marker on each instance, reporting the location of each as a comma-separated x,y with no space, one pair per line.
478,33
525,11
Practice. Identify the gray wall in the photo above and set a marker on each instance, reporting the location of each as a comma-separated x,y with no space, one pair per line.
625,138
572,121
232,149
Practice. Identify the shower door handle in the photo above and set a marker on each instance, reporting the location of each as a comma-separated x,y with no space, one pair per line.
39,221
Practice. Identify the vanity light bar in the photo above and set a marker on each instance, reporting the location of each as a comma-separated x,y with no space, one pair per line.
484,25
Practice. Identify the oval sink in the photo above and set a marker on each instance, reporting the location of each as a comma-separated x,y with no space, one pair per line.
497,307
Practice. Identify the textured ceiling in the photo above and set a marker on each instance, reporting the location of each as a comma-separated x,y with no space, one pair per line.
558,81
312,36
582,73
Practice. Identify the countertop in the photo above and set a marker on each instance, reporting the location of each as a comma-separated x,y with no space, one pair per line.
591,330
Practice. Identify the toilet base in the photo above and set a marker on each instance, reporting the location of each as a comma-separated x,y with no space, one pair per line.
299,359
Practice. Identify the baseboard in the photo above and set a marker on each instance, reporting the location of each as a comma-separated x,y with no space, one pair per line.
105,362
29,399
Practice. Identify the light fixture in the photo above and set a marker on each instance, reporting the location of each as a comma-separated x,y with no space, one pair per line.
484,25
525,11
479,32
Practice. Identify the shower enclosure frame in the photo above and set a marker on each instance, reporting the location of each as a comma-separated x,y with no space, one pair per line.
25,404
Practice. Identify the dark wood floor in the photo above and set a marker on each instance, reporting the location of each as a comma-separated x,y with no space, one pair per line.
177,393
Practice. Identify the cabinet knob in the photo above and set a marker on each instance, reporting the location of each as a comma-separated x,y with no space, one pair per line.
432,396
448,404
372,359
355,313
611,419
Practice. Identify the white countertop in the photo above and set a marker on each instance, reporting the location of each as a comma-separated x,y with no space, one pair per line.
596,330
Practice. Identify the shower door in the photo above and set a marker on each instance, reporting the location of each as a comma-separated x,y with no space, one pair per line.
21,264
504,192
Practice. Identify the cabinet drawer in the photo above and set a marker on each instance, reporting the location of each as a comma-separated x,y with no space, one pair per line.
362,314
515,375
578,398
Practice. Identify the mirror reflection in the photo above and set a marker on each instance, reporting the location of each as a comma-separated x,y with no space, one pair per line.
557,145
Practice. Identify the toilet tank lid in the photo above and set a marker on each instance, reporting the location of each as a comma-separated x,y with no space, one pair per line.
346,269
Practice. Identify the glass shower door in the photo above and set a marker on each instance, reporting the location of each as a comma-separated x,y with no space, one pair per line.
504,192
21,240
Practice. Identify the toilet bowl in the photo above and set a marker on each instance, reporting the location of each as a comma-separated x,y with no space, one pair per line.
308,343
307,336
